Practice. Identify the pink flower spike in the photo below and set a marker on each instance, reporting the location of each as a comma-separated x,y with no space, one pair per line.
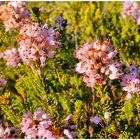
97,63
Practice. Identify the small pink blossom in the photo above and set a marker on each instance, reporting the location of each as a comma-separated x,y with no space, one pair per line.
12,57
45,124
38,114
130,81
31,133
68,134
50,54
107,115
5,132
131,9
49,135
68,117
38,72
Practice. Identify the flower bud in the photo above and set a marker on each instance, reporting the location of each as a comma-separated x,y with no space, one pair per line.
67,133
107,115
68,117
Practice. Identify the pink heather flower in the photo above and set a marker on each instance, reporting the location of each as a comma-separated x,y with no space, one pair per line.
46,116
97,63
115,71
131,9
38,72
38,114
26,52
68,134
41,52
37,43
37,125
31,133
68,117
107,115
13,14
45,134
26,123
12,57
33,46
5,132
48,135
51,54
45,124
130,81
41,133
27,114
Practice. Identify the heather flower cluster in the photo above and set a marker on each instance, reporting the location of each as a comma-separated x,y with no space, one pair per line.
12,57
37,125
35,43
130,81
2,81
131,9
13,14
8,132
97,63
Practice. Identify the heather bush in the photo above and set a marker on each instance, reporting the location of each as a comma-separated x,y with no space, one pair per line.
69,70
